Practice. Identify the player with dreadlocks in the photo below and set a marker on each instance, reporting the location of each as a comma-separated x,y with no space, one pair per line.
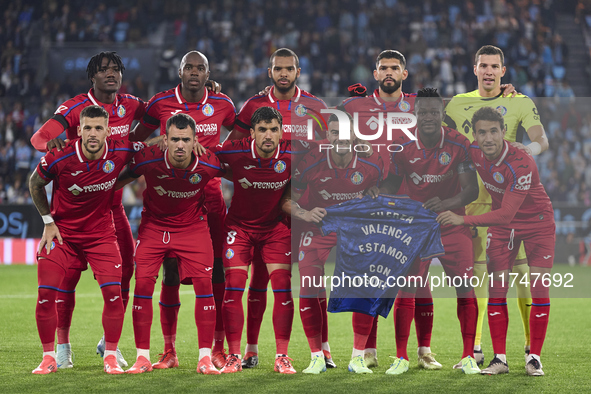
104,71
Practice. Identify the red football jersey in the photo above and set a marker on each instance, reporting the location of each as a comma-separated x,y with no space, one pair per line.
258,183
514,171
124,110
173,197
433,172
328,185
82,188
300,104
211,113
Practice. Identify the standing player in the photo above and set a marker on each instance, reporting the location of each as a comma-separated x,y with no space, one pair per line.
437,171
105,71
80,221
521,211
520,115
330,177
261,170
174,216
210,111
287,98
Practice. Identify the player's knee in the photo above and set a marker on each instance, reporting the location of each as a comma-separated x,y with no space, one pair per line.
218,276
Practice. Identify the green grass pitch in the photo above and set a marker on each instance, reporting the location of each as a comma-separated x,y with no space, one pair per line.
565,357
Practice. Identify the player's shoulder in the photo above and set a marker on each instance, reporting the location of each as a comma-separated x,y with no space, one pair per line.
79,101
151,154
516,156
473,94
411,95
208,157
234,146
311,98
220,98
374,161
68,152
454,136
129,98
166,94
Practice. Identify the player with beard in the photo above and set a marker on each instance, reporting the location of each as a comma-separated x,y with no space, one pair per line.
105,72
287,98
211,111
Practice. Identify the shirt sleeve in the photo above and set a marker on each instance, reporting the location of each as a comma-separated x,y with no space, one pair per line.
47,168
150,118
502,216
530,116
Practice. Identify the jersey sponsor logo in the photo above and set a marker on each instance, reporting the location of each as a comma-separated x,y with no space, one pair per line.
121,111
357,178
444,158
162,176
338,196
297,129
495,313
301,255
245,183
300,110
524,182
60,109
467,108
207,128
280,166
249,167
404,106
75,189
175,194
195,179
374,109
413,161
547,257
325,179
52,245
120,130
493,188
428,178
76,173
207,110
229,253
108,166
502,110
498,177
541,315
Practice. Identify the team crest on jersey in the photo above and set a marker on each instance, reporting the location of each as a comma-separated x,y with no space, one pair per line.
108,167
444,158
498,177
404,106
52,245
300,110
121,111
195,179
301,255
357,178
502,110
207,110
280,166
229,253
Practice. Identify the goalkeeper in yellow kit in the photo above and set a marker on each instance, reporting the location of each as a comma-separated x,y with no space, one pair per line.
521,115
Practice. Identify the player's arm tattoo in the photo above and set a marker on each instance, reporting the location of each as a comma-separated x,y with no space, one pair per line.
38,193
155,140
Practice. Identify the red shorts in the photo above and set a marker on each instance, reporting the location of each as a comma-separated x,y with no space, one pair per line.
191,246
274,246
100,250
458,258
216,215
313,247
503,244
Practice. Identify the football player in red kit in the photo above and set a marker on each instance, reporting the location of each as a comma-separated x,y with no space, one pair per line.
79,227
211,111
521,212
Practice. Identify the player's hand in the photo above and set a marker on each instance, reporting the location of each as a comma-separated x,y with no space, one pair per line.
519,145
509,90
161,145
373,191
435,204
199,149
57,143
213,86
448,218
49,233
265,91
314,216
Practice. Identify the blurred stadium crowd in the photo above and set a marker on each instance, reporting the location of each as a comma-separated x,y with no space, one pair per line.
337,42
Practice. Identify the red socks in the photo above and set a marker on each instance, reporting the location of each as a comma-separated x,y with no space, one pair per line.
362,327
170,304
538,323
257,299
232,309
403,314
205,315
112,311
143,311
424,315
468,315
65,303
219,334
282,308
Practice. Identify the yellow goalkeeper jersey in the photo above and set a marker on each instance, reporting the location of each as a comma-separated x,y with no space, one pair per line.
520,113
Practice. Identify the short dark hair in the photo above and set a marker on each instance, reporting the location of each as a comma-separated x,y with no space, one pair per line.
284,52
335,118
266,114
489,114
428,93
490,50
391,54
97,60
94,111
181,121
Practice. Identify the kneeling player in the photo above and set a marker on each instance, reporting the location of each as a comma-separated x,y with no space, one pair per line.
521,211
174,223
